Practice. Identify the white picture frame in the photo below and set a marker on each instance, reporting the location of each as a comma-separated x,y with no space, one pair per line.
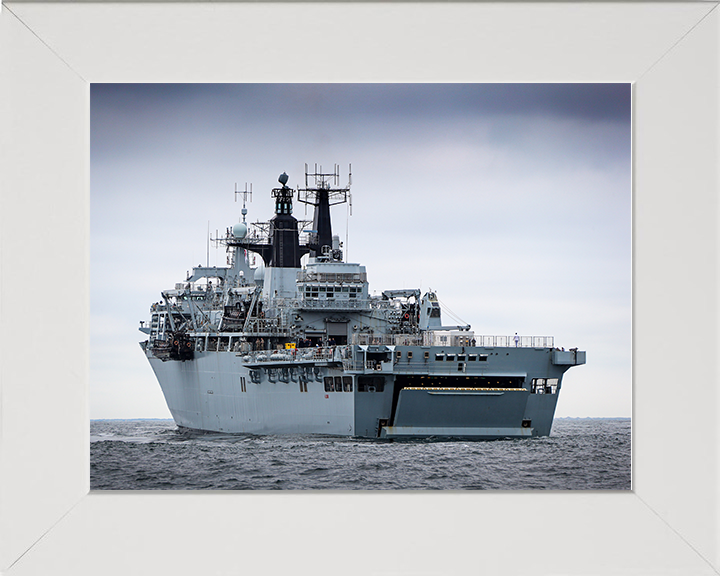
49,522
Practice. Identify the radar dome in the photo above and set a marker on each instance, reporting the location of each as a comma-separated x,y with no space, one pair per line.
283,179
259,275
239,230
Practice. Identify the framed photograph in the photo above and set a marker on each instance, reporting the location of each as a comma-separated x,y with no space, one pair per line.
52,53
449,292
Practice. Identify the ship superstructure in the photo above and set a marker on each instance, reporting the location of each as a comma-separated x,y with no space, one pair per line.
287,348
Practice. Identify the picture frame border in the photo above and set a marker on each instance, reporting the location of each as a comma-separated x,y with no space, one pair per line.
50,519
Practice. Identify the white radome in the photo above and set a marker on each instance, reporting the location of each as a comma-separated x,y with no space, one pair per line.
259,275
240,230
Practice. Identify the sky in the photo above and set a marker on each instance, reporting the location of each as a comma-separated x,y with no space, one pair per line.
511,201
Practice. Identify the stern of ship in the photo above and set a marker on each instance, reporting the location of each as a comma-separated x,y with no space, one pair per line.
459,392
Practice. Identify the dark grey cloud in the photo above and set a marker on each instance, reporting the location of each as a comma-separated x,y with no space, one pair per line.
588,102
142,119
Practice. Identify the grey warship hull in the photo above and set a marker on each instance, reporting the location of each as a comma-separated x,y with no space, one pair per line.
307,350
339,392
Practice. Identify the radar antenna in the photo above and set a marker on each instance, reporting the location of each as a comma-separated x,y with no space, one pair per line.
322,182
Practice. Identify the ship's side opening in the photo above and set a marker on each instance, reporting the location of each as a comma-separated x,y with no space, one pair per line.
431,381
544,385
459,381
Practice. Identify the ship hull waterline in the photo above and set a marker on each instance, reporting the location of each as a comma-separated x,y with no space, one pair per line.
220,391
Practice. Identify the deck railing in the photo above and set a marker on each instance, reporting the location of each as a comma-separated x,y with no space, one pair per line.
515,341
427,339
327,354
389,339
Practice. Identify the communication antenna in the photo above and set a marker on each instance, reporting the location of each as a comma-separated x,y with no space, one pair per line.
349,213
245,193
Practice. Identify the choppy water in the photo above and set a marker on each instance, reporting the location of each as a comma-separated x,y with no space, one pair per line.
581,454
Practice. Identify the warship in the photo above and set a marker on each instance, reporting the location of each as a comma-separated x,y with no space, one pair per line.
297,344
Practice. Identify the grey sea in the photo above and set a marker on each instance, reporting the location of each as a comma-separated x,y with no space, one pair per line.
580,454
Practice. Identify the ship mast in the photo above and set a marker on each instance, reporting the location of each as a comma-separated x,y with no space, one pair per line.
322,195
286,251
